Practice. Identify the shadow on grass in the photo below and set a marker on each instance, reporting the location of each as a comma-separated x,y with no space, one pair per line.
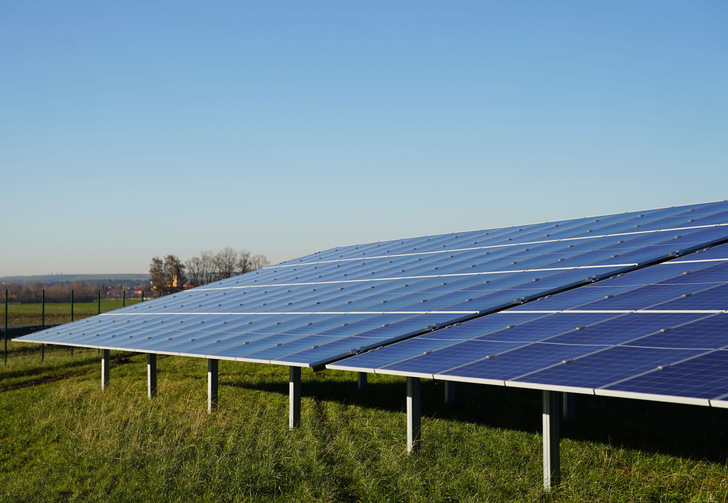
685,431
56,370
680,430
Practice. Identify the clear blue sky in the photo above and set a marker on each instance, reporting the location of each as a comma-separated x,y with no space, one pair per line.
133,129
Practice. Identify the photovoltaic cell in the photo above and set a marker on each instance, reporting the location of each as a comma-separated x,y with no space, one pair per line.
443,359
686,378
622,328
637,298
605,367
522,360
708,333
711,298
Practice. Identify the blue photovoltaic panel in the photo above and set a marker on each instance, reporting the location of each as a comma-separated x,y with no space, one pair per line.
522,360
602,368
442,359
622,328
546,327
479,339
707,333
607,366
686,378
659,333
347,300
417,345
482,326
636,298
710,298
716,254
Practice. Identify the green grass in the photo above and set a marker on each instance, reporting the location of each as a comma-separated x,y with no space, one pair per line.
64,439
57,312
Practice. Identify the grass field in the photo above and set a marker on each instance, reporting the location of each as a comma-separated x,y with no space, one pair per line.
57,312
64,439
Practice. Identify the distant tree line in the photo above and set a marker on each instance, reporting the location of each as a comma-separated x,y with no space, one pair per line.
83,291
169,274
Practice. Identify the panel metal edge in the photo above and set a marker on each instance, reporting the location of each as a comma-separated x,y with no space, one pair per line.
652,397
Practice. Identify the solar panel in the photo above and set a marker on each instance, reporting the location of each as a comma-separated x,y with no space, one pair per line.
686,378
347,300
658,333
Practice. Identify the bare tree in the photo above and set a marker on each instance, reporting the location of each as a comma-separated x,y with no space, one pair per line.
257,261
248,262
209,267
203,269
244,264
167,276
226,262
195,270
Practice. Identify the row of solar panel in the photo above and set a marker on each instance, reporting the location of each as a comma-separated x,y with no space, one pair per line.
463,260
167,333
334,293
312,313
538,345
663,218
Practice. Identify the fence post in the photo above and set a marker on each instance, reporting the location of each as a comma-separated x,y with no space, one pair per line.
142,295
71,318
5,353
42,323
123,299
99,305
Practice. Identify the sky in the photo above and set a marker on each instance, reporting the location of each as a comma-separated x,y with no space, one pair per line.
136,129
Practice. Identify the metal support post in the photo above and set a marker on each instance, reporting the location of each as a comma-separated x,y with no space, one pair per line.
362,381
211,385
449,393
414,412
151,375
99,303
551,455
294,398
568,406
105,364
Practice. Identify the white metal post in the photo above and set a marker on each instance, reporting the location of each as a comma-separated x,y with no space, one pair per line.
211,385
151,375
414,411
105,364
294,398
551,455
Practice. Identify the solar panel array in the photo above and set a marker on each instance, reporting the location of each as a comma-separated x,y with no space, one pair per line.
342,302
658,333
